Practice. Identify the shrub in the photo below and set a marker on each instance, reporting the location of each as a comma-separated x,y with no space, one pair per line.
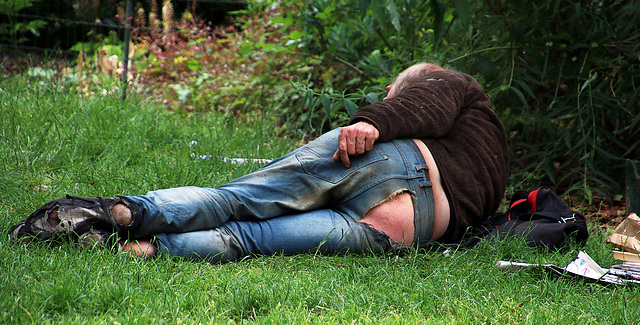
193,65
567,93
17,30
255,63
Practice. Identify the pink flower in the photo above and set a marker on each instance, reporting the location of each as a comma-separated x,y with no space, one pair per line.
260,87
243,65
165,102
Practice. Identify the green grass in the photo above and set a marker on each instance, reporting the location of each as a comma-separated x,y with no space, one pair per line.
54,142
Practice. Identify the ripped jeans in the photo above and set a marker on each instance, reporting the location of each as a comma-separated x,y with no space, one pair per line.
301,202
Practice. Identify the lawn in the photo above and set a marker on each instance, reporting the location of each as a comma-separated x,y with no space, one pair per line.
55,142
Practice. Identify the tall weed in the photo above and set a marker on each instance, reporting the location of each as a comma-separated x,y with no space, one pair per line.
567,93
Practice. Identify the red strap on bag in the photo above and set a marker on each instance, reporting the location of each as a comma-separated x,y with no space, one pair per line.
513,205
532,200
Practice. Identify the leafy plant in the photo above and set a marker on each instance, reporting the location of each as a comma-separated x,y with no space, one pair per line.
566,94
327,109
15,31
363,45
195,66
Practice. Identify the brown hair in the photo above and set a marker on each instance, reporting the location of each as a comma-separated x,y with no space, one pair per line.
412,74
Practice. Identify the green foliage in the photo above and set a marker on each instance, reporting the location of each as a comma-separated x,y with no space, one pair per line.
14,31
235,69
567,93
111,43
379,38
362,45
326,110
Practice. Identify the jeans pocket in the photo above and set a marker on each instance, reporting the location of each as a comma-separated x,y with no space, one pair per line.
321,165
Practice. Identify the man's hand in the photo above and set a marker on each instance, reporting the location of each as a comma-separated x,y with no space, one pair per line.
355,140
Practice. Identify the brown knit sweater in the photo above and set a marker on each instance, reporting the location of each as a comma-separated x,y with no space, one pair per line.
451,114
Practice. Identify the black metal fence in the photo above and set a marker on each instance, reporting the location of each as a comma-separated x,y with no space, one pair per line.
64,26
68,27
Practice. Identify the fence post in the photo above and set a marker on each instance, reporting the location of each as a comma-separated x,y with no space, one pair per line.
633,186
127,39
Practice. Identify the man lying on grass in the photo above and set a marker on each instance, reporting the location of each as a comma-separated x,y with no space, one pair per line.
422,165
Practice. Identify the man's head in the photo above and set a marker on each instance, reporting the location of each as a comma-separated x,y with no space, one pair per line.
411,74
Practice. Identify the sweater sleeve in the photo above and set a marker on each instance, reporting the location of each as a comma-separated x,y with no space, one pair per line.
426,109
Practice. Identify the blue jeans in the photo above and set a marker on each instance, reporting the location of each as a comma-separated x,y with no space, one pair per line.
301,202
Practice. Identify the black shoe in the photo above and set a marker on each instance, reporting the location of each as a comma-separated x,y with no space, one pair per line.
73,216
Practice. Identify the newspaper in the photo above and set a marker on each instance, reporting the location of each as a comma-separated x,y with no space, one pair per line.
582,267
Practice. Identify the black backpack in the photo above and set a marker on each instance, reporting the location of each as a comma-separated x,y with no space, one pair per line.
540,216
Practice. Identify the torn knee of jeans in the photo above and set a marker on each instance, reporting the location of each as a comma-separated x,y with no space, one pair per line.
122,215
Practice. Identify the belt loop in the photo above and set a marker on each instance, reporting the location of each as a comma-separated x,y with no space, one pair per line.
426,182
424,169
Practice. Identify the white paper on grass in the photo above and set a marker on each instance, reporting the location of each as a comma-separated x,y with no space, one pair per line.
583,267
